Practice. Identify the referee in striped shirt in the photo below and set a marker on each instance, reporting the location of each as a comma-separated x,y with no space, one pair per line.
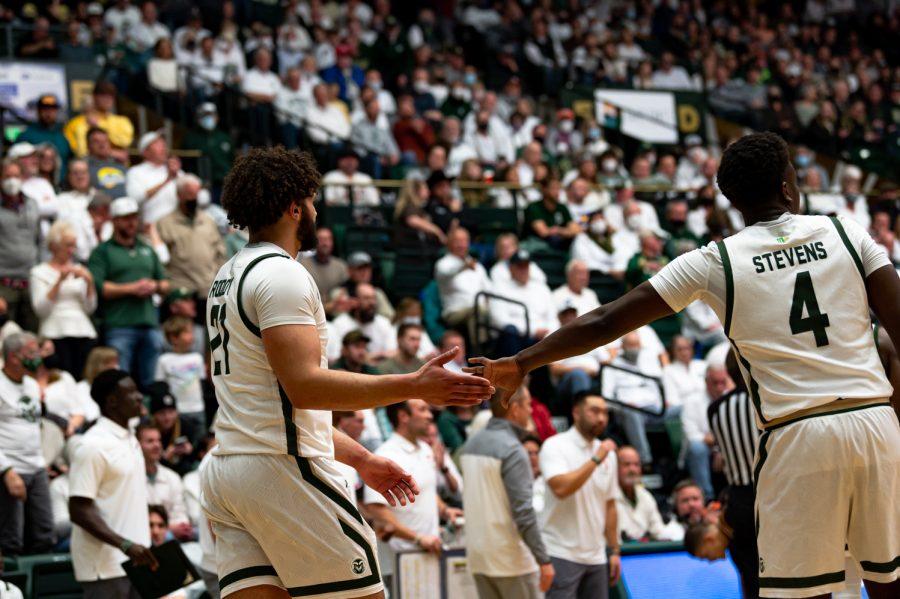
732,422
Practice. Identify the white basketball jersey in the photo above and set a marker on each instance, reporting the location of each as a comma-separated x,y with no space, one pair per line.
797,312
262,286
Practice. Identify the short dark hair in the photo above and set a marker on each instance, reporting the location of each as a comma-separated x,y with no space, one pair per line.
693,537
401,330
580,397
393,412
105,385
145,426
338,415
684,484
752,168
263,182
94,131
159,510
533,438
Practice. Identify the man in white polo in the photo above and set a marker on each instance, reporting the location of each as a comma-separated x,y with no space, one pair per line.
579,517
108,494
416,525
152,182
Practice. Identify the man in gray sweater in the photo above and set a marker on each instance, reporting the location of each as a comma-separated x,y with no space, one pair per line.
504,548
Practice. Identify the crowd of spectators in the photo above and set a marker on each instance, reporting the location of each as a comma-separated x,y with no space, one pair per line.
108,247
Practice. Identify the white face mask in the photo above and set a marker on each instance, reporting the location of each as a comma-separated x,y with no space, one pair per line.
566,126
609,165
461,93
598,227
12,186
376,85
420,86
634,222
411,320
204,198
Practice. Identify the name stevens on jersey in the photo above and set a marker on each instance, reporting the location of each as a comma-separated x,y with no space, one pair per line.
799,254
221,287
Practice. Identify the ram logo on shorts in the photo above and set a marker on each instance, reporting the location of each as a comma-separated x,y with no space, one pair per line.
358,566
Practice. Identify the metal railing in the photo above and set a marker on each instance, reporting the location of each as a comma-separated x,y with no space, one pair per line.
483,327
615,400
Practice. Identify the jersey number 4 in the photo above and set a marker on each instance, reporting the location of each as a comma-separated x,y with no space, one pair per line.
217,320
815,321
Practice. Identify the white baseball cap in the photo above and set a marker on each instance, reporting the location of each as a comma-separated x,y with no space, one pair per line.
123,206
148,138
20,150
851,172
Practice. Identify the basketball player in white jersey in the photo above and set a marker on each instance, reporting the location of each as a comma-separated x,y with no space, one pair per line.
283,517
794,294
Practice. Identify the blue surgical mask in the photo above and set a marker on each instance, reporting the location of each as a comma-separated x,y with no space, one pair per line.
208,122
594,133
470,78
803,160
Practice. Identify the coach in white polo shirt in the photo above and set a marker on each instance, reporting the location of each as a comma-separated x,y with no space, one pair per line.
152,182
416,525
576,292
108,494
579,517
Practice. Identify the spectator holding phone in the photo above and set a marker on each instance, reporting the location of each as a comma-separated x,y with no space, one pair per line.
175,431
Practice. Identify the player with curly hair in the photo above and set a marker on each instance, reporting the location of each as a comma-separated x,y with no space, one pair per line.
285,520
793,293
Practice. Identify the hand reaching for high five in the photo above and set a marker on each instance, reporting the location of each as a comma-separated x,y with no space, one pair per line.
504,374
441,387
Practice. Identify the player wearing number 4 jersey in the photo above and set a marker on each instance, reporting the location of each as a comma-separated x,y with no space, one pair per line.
284,519
794,294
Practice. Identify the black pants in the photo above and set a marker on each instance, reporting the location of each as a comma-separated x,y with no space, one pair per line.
71,354
739,516
26,527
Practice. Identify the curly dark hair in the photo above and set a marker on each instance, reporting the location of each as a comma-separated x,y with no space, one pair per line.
263,182
752,168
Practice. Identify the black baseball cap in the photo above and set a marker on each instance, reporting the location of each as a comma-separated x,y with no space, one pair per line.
520,257
161,397
48,101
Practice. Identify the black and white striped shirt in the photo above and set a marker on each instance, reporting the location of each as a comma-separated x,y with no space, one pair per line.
732,423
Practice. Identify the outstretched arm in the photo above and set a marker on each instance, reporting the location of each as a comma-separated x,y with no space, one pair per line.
607,323
294,352
883,289
381,474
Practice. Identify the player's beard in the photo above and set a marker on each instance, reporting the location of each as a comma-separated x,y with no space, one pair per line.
306,232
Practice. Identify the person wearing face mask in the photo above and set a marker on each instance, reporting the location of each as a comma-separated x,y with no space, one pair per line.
458,103
564,138
385,98
19,235
213,143
603,248
610,174
195,245
26,519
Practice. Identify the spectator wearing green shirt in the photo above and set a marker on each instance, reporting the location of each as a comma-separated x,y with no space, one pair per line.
213,143
642,266
549,220
128,273
48,129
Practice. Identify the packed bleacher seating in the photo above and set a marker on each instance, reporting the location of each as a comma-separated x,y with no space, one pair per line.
475,193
